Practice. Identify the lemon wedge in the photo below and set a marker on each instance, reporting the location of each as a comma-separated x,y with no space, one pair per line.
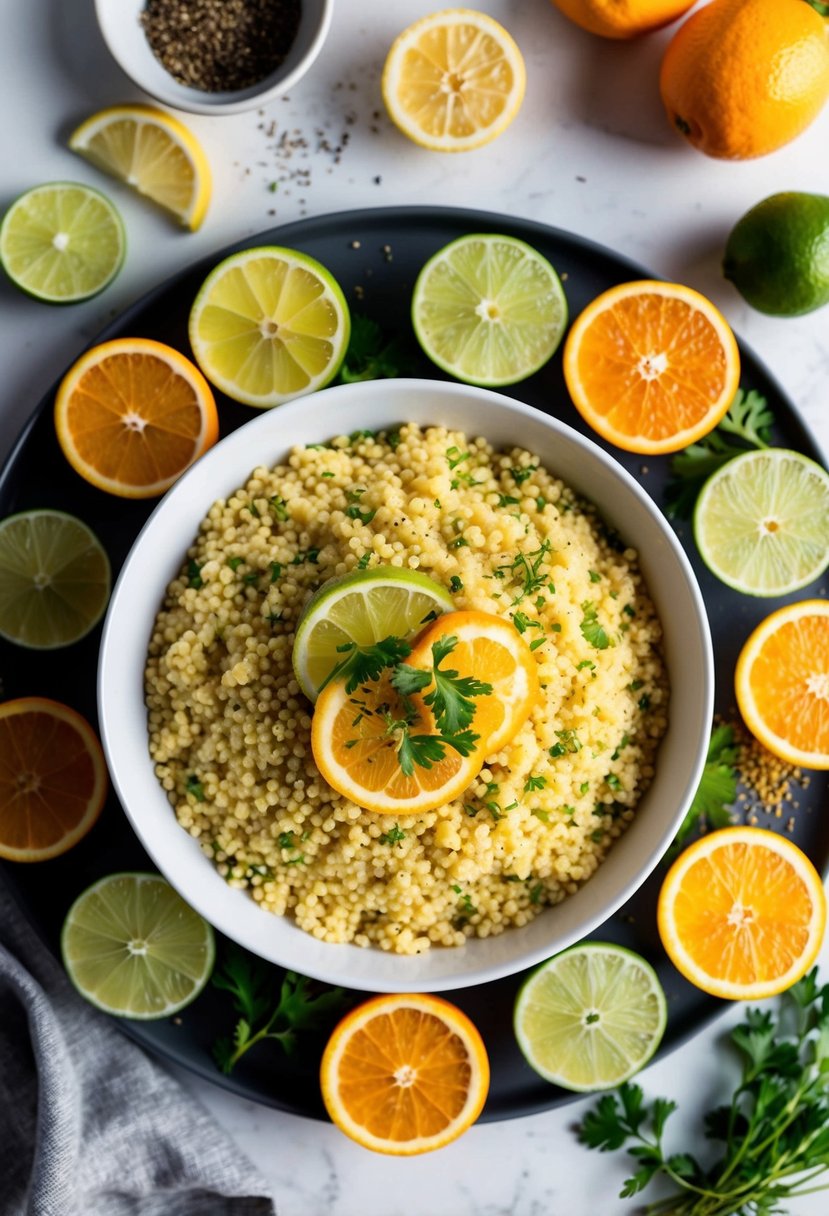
152,152
453,80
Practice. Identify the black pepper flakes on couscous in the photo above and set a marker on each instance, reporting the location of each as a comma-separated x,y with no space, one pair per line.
229,728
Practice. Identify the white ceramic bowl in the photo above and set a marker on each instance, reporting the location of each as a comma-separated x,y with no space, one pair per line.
156,558
121,29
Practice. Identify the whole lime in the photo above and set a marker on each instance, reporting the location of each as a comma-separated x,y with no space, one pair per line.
777,255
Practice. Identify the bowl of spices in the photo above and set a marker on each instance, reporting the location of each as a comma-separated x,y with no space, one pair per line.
214,56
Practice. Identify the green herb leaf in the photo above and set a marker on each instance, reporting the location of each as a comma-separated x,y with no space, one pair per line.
370,354
451,699
365,663
591,629
717,790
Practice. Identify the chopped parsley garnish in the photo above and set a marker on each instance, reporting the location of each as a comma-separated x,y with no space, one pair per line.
278,508
276,571
195,788
534,783
591,629
454,457
194,578
519,476
393,836
372,356
305,555
568,744
455,584
364,560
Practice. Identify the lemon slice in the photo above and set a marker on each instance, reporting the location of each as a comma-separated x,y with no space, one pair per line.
590,1017
54,579
269,324
152,152
762,522
454,80
62,242
362,608
134,948
489,309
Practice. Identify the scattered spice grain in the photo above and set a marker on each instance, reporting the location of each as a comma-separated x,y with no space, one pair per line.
220,45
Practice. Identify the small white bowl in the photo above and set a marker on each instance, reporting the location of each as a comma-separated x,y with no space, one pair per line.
124,35
156,558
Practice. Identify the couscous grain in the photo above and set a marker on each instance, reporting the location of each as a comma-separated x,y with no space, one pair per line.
230,729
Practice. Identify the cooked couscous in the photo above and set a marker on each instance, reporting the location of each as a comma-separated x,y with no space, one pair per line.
230,729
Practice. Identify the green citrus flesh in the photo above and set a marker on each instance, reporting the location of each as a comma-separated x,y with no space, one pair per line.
489,309
777,254
134,948
590,1017
269,324
54,579
761,522
362,608
62,242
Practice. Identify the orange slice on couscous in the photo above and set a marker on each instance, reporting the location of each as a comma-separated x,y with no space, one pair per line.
405,1074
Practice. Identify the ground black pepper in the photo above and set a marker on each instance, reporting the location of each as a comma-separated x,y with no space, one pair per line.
220,45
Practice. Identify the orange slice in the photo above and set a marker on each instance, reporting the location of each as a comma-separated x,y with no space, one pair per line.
404,1074
651,366
489,648
782,683
132,414
742,913
53,778
358,754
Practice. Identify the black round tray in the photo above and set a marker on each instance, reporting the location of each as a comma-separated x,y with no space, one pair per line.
375,255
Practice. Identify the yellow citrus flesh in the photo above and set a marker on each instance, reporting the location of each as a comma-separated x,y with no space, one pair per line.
132,414
453,80
742,913
153,153
782,683
651,366
405,1074
53,779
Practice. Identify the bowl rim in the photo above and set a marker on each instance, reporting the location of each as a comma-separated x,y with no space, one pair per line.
215,475
111,16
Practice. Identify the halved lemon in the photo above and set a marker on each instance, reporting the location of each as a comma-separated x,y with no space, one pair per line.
153,153
453,80
269,324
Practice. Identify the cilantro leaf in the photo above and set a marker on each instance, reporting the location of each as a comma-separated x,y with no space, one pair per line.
451,699
364,663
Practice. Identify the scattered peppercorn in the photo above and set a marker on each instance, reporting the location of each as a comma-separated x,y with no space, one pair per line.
220,45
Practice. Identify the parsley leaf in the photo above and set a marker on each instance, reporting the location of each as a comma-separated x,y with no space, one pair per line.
591,629
717,789
451,699
363,663
370,354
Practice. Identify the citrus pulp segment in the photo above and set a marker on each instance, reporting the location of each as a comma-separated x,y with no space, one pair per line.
782,683
488,309
269,324
132,414
590,1017
761,522
134,948
741,913
62,242
651,366
361,608
54,579
153,153
453,80
490,649
404,1074
53,779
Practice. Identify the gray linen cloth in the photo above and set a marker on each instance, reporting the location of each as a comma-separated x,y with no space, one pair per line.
89,1124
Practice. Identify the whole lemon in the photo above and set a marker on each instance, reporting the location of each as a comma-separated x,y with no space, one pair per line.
777,255
743,77
623,18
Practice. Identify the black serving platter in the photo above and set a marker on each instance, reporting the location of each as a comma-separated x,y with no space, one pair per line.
375,255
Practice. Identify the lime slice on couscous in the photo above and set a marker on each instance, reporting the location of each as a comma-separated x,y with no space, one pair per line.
134,948
489,310
362,608
590,1017
54,579
762,522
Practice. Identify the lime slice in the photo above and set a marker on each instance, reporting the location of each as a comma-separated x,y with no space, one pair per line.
62,242
762,522
489,310
133,947
54,579
590,1017
362,608
269,324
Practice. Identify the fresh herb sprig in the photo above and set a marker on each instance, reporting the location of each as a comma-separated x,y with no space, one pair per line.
370,355
364,663
300,1006
774,1132
717,790
749,421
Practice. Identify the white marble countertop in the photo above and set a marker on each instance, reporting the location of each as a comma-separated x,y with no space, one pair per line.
590,151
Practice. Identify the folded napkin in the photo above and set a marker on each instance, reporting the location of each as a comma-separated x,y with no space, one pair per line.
89,1124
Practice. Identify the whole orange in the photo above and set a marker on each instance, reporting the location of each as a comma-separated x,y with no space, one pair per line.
623,18
743,77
